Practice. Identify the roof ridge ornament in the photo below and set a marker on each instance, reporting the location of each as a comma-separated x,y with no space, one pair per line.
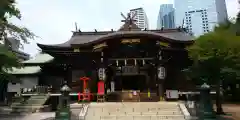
129,20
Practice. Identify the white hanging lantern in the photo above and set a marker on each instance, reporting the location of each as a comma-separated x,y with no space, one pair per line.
125,62
101,73
117,62
112,86
160,55
161,72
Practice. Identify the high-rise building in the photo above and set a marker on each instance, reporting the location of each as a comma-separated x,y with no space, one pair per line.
141,18
199,16
166,16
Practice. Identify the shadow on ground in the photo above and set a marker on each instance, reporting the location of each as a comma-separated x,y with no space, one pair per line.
227,116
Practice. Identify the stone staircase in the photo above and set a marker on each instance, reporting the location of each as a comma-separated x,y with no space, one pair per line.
33,104
134,111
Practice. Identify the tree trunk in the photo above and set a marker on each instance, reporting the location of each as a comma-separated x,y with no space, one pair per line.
1,34
219,98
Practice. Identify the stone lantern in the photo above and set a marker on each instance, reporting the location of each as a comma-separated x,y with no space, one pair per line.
64,98
63,112
206,106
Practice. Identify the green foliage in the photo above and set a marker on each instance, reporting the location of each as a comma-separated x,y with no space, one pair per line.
238,18
8,60
238,24
216,55
17,32
8,10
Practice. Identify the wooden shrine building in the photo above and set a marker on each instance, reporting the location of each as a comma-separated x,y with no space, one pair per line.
130,58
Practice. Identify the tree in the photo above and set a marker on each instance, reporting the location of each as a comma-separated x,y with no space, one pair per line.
237,24
216,56
7,29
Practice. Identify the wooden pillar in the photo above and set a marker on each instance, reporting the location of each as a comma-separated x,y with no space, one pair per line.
69,76
102,66
148,82
65,76
161,90
160,81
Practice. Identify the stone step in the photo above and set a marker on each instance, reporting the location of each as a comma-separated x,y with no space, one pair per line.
131,107
130,118
134,113
162,113
135,110
137,107
141,117
34,103
135,104
28,106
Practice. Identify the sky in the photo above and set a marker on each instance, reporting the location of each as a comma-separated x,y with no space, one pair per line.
53,20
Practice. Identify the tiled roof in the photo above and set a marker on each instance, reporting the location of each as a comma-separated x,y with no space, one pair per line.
24,70
90,37
40,58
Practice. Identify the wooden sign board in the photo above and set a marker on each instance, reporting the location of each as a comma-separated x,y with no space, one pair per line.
124,41
76,50
99,46
164,44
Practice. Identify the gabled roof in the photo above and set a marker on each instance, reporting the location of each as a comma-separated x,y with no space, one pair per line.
39,59
24,70
21,55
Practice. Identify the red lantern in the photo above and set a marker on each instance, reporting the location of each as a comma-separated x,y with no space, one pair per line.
101,88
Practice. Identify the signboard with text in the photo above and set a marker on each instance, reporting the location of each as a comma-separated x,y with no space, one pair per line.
172,94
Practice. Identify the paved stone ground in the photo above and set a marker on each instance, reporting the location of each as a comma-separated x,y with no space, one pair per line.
232,111
34,116
6,115
39,116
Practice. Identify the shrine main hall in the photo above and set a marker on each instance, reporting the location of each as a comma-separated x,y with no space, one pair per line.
129,59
